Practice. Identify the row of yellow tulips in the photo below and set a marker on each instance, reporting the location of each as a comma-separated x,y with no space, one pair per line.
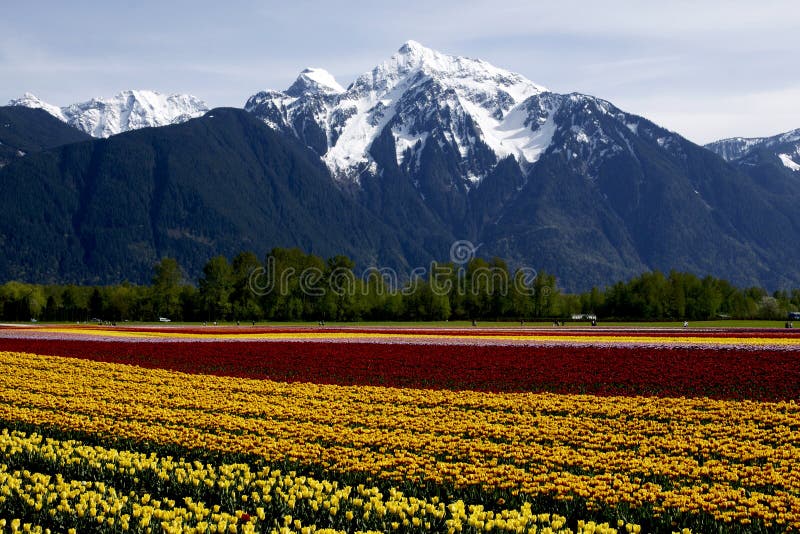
253,500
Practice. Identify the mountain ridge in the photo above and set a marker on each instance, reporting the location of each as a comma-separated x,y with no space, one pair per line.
754,151
125,111
25,131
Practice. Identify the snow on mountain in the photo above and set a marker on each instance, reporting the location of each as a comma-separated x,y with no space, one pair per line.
128,110
789,163
785,146
734,147
314,80
131,110
477,114
458,90
419,94
29,100
789,137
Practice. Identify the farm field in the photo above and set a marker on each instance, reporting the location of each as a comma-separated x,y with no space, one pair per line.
718,323
303,429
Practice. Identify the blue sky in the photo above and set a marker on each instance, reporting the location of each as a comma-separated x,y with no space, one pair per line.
707,70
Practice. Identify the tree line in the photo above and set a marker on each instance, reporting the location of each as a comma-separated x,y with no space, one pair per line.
290,285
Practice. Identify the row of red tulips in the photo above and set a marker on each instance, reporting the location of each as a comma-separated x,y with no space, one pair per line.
718,373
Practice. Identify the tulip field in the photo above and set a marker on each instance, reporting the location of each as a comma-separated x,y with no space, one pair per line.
268,429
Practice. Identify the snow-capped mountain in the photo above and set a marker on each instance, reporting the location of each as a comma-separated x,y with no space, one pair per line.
128,110
480,112
421,96
785,146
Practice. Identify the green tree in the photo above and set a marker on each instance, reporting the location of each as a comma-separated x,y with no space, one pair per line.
341,290
96,306
244,301
22,302
593,301
520,296
166,289
216,286
794,299
76,302
121,301
297,285
677,295
545,295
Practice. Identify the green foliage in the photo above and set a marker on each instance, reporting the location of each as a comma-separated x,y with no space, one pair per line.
166,289
216,286
245,303
291,285
684,296
22,301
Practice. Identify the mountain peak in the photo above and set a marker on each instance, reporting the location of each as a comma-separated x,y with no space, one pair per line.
478,109
410,46
315,81
414,55
30,100
449,69
27,97
415,48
